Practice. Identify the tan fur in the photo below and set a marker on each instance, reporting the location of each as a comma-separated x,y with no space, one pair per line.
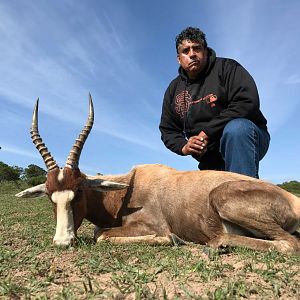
200,206
150,239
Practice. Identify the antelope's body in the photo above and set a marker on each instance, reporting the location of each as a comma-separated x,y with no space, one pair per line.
158,204
214,207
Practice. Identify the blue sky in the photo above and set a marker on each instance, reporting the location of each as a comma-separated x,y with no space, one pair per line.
123,53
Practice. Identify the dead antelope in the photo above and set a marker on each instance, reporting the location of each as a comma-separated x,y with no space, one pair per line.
156,204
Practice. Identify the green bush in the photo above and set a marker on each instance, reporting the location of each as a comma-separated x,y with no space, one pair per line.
8,173
34,173
32,181
291,186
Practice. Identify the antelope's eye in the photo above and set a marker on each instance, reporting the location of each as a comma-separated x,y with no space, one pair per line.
77,196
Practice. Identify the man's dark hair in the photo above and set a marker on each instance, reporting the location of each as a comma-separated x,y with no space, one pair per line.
192,34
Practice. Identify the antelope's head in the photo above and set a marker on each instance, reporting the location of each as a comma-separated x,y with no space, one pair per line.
66,187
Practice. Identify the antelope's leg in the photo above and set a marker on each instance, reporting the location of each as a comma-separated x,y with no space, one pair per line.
150,239
233,240
249,213
130,234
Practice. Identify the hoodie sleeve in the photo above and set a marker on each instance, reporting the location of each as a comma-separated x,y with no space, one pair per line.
242,95
170,126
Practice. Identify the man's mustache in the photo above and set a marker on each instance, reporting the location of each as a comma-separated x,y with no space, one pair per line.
194,61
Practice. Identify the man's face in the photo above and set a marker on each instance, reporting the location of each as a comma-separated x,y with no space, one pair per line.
192,57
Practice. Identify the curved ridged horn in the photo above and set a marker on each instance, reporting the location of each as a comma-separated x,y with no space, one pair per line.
74,155
37,140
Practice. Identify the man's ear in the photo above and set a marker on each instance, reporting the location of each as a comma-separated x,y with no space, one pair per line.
33,192
178,58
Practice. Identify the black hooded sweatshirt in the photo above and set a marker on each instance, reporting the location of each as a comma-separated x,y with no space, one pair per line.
224,91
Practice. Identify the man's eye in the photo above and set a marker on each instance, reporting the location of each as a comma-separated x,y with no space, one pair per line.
185,51
197,49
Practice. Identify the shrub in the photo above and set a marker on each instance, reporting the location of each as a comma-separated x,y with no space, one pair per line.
8,173
291,186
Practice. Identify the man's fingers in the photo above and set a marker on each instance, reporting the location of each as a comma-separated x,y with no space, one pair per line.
197,151
196,143
197,147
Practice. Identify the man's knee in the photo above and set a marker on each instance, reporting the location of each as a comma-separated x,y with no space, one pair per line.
238,129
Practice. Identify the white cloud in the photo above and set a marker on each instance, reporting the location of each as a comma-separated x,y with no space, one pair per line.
61,73
14,150
293,79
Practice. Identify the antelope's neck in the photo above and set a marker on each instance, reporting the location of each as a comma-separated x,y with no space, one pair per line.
104,207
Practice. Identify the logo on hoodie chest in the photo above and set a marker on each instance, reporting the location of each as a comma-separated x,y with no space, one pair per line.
183,102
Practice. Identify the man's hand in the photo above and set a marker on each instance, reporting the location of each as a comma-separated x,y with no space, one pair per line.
196,144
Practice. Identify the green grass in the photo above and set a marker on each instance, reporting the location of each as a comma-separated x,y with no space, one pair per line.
32,268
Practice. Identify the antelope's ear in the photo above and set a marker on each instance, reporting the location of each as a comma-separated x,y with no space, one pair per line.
33,192
102,185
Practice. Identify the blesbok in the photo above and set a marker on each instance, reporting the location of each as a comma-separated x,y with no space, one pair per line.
157,204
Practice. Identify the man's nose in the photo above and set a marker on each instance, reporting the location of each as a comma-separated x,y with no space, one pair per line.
192,53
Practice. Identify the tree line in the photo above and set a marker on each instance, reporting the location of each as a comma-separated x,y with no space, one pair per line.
34,175
291,186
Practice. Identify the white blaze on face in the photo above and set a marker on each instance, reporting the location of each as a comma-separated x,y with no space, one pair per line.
64,217
60,175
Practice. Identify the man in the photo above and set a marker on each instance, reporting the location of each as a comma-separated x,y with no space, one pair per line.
211,110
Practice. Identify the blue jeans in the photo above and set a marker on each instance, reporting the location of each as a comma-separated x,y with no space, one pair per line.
242,146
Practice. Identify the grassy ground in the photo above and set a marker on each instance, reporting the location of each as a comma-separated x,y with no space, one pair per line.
31,268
